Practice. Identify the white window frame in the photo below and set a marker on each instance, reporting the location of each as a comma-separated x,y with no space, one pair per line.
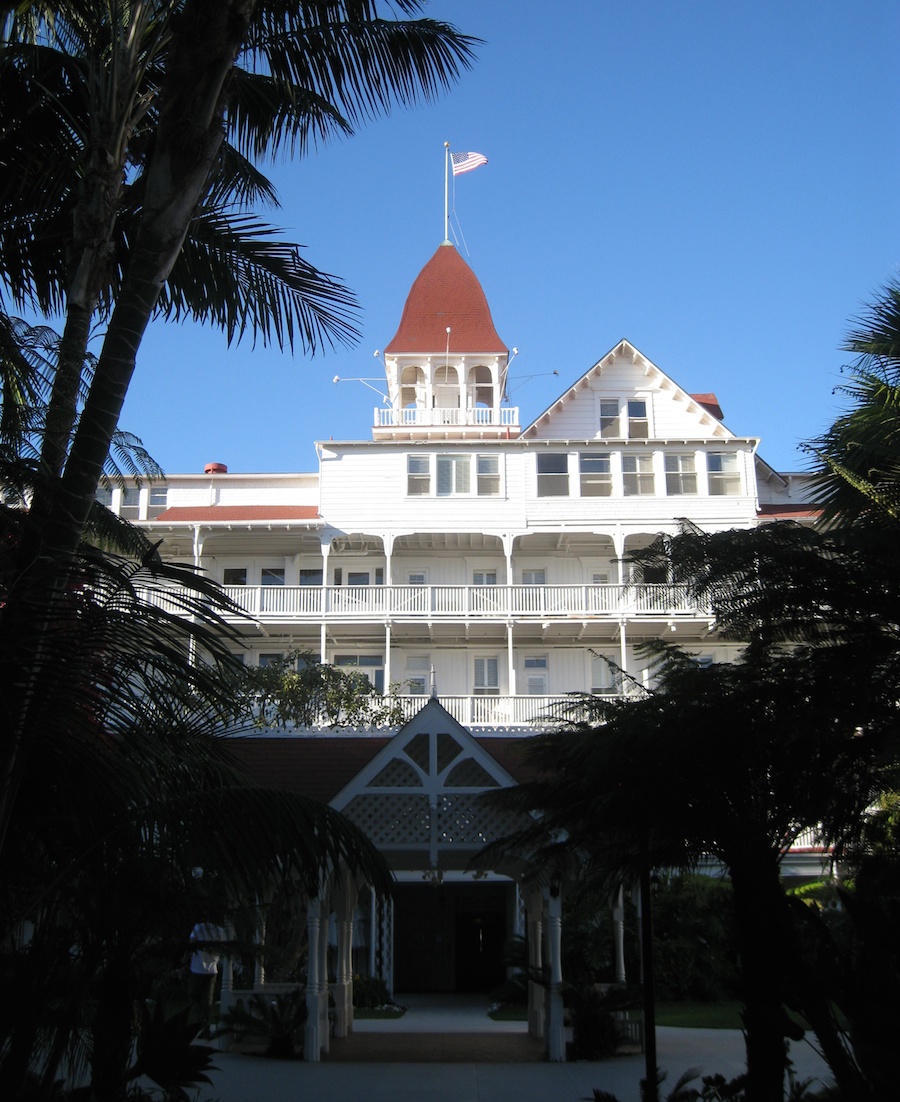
453,475
642,479
486,676
596,477
487,480
638,424
730,480
552,479
418,475
681,474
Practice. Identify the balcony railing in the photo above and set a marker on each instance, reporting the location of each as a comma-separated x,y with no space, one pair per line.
496,712
390,418
366,602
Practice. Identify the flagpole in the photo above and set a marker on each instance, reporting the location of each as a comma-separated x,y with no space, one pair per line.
446,190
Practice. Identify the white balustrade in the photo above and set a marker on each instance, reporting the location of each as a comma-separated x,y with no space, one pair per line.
355,602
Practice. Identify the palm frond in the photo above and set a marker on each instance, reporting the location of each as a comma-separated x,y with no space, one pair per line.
234,271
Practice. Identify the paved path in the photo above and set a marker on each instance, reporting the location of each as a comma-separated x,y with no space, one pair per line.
254,1079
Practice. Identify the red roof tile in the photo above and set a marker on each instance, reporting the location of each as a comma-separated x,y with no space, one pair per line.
446,293
239,512
321,767
795,509
710,403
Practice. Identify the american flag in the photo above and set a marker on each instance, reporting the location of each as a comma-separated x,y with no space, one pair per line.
465,162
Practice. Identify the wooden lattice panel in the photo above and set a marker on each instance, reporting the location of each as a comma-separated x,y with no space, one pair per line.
391,820
396,774
469,774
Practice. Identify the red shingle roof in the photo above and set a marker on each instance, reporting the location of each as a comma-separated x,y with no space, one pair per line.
321,767
446,293
239,512
786,512
710,403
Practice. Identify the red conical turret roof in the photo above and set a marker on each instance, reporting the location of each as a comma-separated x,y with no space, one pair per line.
446,293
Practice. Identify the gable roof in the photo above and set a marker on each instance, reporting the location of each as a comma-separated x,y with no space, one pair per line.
446,294
708,403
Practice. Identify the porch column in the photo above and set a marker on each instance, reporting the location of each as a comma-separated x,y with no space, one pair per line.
556,1034
312,1048
534,905
343,985
511,658
388,542
259,965
387,659
324,922
326,551
619,934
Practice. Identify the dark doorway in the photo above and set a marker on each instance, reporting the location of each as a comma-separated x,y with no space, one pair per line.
449,937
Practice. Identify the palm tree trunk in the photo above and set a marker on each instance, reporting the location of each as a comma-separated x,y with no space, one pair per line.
763,942
205,44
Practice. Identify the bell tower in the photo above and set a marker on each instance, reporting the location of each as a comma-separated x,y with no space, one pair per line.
446,366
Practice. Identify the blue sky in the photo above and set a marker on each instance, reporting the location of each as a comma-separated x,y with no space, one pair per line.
716,181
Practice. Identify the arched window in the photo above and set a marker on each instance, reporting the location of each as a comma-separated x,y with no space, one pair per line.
481,386
412,387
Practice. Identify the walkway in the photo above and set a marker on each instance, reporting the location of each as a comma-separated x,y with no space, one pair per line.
478,1079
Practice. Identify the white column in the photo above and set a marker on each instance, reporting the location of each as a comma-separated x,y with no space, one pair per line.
259,966
312,1049
556,1034
387,659
388,542
619,934
326,551
536,993
510,658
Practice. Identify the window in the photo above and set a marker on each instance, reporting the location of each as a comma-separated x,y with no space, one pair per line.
234,575
637,474
271,575
596,476
681,476
488,475
638,422
487,676
157,501
310,576
603,676
370,665
417,577
724,476
553,475
609,417
131,503
418,476
418,668
453,475
484,577
536,666
357,577
534,577
104,496
266,660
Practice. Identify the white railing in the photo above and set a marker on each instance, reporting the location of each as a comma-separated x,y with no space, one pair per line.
411,417
500,712
354,602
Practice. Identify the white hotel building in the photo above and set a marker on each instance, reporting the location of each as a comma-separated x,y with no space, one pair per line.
461,554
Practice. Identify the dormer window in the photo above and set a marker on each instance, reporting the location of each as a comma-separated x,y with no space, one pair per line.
609,417
638,421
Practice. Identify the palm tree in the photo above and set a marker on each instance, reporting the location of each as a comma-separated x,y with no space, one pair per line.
159,106
857,460
730,762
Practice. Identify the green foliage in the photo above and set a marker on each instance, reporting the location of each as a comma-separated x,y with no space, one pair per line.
166,1052
280,1019
297,690
370,992
694,938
